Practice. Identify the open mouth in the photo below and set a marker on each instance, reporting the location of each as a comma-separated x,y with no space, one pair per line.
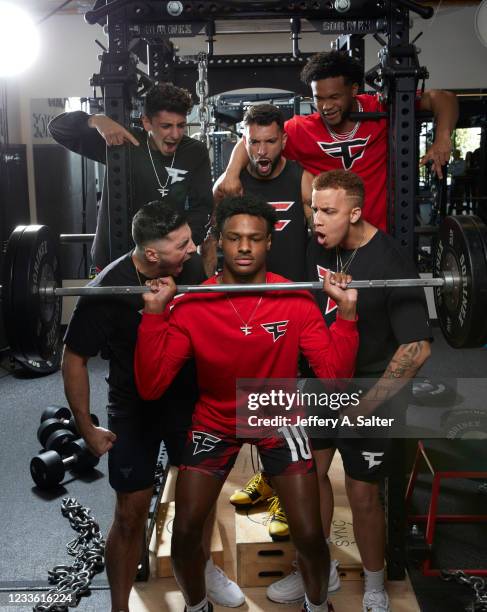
320,237
264,165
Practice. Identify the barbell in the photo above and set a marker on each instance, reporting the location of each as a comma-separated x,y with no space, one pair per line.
32,289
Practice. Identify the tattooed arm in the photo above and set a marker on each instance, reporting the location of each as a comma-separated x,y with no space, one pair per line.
405,363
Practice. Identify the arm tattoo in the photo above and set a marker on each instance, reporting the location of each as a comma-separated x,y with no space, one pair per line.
405,361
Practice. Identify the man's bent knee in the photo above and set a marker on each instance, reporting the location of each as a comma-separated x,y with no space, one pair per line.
131,510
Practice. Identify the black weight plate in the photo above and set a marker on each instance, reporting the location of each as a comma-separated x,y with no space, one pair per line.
7,277
33,321
461,312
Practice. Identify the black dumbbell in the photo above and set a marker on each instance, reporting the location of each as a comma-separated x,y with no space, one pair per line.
64,420
59,439
48,469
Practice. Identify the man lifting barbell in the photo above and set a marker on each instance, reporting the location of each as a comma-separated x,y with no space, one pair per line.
328,139
108,325
254,336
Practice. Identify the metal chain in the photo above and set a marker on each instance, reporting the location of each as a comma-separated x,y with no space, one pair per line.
202,90
87,548
478,584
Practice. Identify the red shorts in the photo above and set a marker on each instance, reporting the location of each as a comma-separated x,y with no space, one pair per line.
215,453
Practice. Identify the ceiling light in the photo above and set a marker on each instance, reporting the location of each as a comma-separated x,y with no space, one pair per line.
19,40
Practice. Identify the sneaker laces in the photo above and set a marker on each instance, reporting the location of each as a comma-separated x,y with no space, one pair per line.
275,510
254,484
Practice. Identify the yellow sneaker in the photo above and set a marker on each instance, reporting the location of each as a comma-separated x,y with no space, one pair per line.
256,490
278,527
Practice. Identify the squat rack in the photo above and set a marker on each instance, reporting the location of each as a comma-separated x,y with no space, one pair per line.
141,31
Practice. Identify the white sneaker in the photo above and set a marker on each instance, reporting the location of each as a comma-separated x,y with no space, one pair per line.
220,589
291,588
376,601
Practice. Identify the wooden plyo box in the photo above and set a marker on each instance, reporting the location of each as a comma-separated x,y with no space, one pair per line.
165,517
260,561
343,547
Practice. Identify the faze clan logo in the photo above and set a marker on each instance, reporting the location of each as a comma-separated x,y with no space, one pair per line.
175,176
281,207
330,304
277,329
371,458
204,442
348,150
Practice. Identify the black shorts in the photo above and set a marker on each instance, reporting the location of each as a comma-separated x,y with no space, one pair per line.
215,454
363,459
133,458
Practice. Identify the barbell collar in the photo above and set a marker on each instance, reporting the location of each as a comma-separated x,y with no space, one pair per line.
50,290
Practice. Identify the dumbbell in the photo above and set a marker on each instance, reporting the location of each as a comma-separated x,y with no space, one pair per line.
48,469
55,418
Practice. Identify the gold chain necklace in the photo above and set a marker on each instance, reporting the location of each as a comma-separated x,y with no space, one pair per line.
343,267
246,328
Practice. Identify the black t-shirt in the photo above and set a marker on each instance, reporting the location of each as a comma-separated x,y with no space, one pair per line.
287,256
108,325
387,317
188,176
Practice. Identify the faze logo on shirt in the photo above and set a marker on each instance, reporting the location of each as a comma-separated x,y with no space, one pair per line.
281,207
330,304
348,150
277,329
371,458
176,175
204,442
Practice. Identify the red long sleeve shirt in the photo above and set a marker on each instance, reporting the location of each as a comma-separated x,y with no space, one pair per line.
208,328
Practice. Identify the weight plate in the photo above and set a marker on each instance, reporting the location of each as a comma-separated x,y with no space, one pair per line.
461,312
32,321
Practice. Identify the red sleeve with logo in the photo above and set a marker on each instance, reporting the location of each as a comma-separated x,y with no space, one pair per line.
239,336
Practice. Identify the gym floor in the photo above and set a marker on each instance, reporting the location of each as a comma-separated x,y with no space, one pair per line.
34,533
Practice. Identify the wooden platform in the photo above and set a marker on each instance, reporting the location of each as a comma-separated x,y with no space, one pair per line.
260,561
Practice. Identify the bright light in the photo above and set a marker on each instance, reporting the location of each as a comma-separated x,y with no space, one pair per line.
19,40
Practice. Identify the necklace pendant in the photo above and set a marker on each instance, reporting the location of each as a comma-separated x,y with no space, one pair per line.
246,329
163,191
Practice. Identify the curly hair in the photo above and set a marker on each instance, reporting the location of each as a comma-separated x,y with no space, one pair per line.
264,114
245,205
167,97
332,64
350,182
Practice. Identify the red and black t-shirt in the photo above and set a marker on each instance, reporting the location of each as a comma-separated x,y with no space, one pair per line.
311,144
